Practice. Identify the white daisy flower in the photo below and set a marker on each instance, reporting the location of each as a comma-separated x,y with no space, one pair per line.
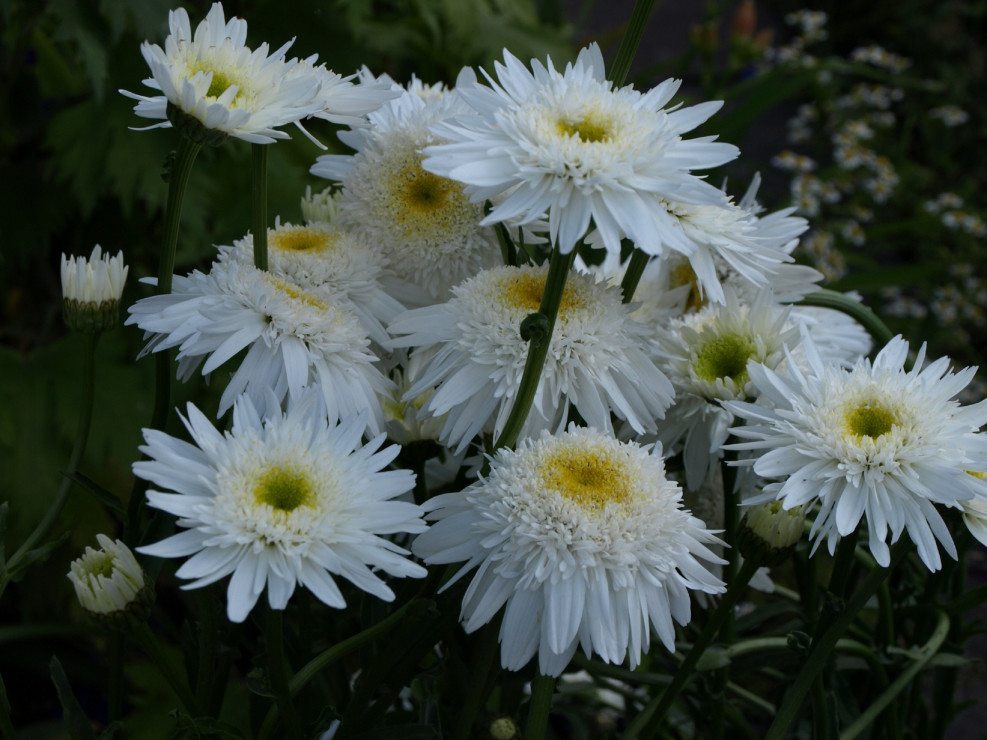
292,339
280,501
214,78
475,356
425,225
706,356
569,144
873,441
585,541
109,580
329,262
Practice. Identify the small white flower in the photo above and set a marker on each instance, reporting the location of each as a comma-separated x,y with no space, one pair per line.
872,442
107,580
215,79
584,540
569,144
293,339
96,280
280,501
475,356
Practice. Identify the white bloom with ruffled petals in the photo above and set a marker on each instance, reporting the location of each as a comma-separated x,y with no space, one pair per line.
216,79
569,144
280,501
875,442
583,540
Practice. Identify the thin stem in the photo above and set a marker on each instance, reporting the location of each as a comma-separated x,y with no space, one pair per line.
207,646
277,673
558,272
115,693
258,172
823,646
14,564
731,523
542,688
632,39
167,668
643,725
476,694
925,654
329,656
821,728
867,318
6,724
633,273
839,579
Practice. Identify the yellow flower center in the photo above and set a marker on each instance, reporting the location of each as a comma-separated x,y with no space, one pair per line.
591,478
284,489
870,419
524,291
296,293
220,83
725,357
683,274
421,192
591,128
302,239
100,564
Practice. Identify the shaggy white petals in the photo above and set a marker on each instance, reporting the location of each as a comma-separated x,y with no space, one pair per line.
216,79
872,442
706,355
292,337
98,279
282,499
583,540
424,225
107,580
331,263
475,356
568,144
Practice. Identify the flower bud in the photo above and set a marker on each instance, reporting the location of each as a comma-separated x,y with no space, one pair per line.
321,207
768,533
504,728
110,584
91,290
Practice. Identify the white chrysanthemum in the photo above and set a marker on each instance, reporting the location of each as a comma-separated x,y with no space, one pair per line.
332,264
585,541
220,82
98,279
569,144
292,337
343,101
425,225
280,501
475,354
706,356
107,580
874,441
975,510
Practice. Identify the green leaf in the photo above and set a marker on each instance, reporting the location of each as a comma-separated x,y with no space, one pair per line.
78,725
106,498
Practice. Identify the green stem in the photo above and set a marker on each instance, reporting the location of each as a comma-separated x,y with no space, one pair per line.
542,688
329,656
856,310
821,729
731,523
258,171
925,654
558,272
6,724
839,579
632,39
823,646
476,695
633,273
207,646
23,553
115,693
643,725
277,673
167,668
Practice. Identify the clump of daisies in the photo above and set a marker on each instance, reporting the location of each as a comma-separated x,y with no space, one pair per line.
582,540
279,501
875,442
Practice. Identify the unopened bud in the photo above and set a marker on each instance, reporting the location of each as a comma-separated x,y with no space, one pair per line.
110,584
91,290
768,532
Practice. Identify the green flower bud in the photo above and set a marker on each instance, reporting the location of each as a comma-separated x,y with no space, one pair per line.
768,533
110,584
91,290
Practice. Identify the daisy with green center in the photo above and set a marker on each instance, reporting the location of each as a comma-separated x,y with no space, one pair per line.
875,442
293,338
213,79
585,542
329,262
280,501
473,356
569,144
706,355
425,225
109,581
